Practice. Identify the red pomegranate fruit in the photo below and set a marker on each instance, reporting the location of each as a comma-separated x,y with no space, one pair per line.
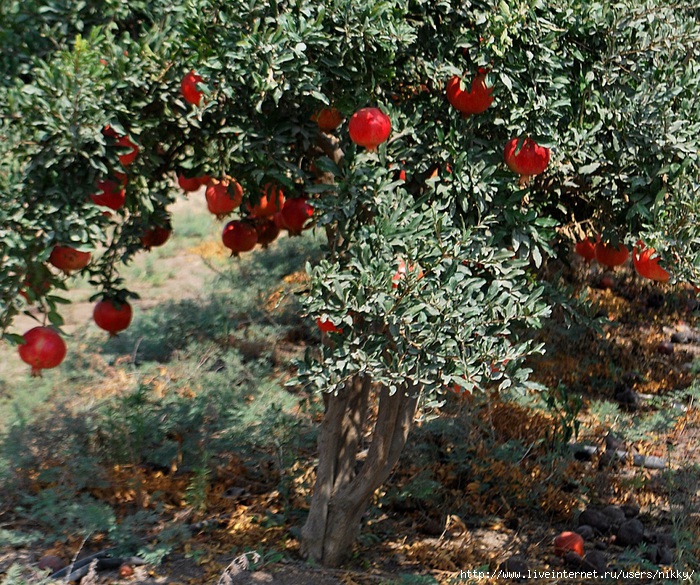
267,230
125,142
369,127
400,273
568,541
271,201
68,259
43,348
475,101
112,316
239,236
609,256
328,119
223,196
646,263
295,214
188,87
155,236
529,160
586,249
111,194
326,326
193,184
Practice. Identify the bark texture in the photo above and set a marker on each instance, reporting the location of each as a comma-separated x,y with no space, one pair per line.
342,491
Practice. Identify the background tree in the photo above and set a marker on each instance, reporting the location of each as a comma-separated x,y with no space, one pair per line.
432,280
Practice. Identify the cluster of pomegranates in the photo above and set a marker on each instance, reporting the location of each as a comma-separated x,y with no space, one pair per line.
645,260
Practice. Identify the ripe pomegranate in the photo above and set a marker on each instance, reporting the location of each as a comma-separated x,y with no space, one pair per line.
279,221
271,201
68,259
531,159
111,195
586,249
239,236
267,230
223,196
124,141
609,256
294,214
328,119
568,541
646,263
401,273
192,184
326,326
475,101
112,316
155,236
43,348
188,87
369,127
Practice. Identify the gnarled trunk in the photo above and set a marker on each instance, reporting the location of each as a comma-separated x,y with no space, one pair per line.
342,493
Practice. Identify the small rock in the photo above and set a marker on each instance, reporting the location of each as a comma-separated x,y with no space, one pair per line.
52,562
615,514
613,442
515,565
595,519
665,540
595,560
665,348
652,554
686,336
665,556
627,398
572,559
631,510
630,533
585,531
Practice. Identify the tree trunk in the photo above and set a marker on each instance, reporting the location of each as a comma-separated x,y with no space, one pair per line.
342,493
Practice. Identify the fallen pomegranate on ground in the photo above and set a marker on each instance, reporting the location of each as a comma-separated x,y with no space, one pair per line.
568,541
43,348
